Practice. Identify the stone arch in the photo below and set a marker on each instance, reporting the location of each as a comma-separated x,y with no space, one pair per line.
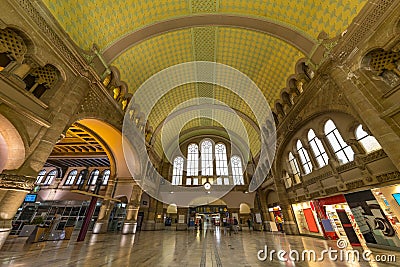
292,85
272,197
244,208
12,148
286,100
113,139
397,28
299,65
172,209
285,33
279,108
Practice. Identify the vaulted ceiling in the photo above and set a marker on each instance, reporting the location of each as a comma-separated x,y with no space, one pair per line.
264,39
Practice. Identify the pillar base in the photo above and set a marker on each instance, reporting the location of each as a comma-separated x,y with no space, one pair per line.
100,227
257,227
290,228
159,226
129,228
181,227
4,232
149,226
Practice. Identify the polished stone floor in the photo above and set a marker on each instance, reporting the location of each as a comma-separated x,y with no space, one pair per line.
172,248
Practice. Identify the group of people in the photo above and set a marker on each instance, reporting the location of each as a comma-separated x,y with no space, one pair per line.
231,224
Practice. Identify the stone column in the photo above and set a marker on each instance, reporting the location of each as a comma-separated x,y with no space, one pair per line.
180,226
313,159
101,224
132,211
13,189
149,223
159,216
289,224
352,89
61,116
263,210
300,165
332,160
23,177
22,70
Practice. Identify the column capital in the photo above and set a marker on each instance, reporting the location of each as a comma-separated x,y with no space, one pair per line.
13,181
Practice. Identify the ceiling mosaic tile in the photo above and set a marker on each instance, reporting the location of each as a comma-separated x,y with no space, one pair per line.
104,22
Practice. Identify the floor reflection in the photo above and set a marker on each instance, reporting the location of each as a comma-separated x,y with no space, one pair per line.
171,248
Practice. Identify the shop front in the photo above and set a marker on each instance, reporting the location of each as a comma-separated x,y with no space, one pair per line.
376,212
389,200
337,220
307,219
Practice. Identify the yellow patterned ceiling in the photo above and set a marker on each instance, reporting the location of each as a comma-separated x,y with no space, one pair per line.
264,58
103,22
268,61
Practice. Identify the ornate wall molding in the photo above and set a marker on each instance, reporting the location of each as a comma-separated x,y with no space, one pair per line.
65,50
355,184
97,105
388,177
360,28
379,154
346,167
12,181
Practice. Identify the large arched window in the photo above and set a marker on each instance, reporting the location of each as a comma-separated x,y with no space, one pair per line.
177,171
304,158
318,149
368,142
93,177
237,170
221,162
50,177
206,158
106,176
80,177
40,176
294,166
71,177
193,160
342,150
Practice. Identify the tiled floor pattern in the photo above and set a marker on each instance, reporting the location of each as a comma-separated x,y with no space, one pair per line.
170,248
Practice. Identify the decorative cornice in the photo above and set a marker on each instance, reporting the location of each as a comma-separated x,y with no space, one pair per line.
97,103
379,154
346,167
332,190
318,178
355,184
12,181
388,177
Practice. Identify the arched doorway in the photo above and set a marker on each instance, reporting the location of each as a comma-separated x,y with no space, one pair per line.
12,149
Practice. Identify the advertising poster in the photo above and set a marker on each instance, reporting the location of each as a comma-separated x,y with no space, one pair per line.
371,219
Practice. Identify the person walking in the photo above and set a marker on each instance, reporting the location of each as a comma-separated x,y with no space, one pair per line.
235,225
249,223
200,224
279,223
